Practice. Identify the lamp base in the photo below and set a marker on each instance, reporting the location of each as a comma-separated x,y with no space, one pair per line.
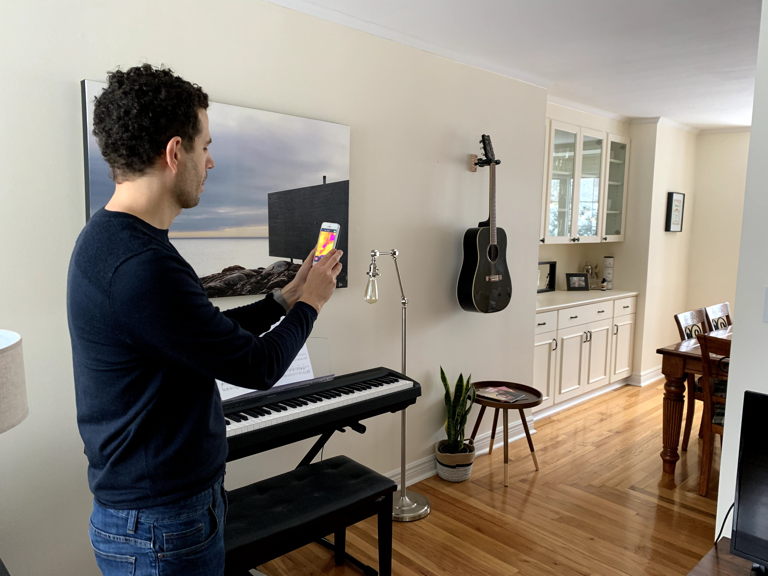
409,506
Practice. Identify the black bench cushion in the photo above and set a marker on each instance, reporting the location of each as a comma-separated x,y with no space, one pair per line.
324,496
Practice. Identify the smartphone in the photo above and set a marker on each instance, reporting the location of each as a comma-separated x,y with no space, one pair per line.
326,240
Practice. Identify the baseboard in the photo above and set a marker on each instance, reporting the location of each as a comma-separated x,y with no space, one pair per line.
425,467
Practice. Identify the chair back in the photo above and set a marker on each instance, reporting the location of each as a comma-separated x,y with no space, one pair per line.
691,323
715,358
718,316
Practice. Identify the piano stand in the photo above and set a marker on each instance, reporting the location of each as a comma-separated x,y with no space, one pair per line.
323,439
275,516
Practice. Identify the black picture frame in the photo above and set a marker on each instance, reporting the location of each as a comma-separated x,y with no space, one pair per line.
675,211
576,281
546,277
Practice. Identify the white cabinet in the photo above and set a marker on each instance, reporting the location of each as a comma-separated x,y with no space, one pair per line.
614,215
583,337
545,354
623,338
585,189
582,347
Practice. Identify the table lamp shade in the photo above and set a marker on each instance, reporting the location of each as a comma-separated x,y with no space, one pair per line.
13,393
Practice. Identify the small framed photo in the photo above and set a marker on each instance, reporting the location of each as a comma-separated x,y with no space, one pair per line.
675,207
576,281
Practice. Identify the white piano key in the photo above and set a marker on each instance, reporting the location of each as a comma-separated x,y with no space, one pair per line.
292,413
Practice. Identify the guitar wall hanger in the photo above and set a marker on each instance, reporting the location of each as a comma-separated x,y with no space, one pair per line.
474,162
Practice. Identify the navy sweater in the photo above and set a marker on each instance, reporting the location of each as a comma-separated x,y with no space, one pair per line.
147,346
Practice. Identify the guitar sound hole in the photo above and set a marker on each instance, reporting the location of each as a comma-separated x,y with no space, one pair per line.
493,252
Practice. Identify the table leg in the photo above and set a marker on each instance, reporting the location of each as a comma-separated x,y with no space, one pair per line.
674,391
530,441
477,422
493,430
506,448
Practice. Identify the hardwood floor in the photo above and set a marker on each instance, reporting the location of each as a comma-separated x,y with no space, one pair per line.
599,505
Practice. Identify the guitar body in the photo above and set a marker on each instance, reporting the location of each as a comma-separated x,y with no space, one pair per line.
484,283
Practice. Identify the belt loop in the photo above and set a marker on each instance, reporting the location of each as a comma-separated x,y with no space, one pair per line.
133,520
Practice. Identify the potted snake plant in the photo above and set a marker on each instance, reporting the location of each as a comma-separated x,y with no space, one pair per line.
455,454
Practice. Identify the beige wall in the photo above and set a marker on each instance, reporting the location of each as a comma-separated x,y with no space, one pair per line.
414,119
721,170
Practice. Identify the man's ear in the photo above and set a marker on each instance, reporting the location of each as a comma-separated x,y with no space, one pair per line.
172,153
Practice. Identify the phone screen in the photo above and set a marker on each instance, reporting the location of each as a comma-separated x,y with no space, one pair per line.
326,240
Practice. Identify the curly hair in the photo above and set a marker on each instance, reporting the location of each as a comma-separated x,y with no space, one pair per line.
139,112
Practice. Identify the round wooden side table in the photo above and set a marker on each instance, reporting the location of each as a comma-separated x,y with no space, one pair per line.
506,396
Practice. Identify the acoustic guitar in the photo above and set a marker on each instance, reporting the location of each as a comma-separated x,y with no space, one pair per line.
484,282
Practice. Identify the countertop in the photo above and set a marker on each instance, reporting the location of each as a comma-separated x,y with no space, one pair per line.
547,301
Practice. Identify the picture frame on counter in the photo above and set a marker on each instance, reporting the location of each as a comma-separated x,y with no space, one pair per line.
675,209
546,277
576,281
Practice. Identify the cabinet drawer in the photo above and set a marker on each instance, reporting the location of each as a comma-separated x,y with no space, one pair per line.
583,314
625,306
546,321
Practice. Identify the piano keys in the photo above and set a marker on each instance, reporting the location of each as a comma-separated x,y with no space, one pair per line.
268,419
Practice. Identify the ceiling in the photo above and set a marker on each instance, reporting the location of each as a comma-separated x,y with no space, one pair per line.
691,61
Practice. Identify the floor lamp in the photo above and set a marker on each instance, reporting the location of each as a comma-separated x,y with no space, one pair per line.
13,394
408,506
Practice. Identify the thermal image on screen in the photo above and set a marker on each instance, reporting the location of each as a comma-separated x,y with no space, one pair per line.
325,243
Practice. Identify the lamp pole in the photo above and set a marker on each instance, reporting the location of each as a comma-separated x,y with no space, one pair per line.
408,506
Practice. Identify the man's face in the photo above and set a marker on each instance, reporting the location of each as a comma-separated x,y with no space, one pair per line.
194,166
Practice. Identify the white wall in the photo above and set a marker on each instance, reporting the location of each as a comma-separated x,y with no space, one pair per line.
750,341
414,119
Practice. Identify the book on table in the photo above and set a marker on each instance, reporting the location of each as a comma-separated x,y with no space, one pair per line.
500,394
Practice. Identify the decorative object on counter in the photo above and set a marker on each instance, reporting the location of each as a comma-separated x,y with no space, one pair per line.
455,455
409,505
675,207
576,281
546,277
592,274
608,272
484,283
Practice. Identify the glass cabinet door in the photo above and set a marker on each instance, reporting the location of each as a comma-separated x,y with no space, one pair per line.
587,223
616,190
561,185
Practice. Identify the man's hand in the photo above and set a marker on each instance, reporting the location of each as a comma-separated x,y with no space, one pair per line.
320,279
293,290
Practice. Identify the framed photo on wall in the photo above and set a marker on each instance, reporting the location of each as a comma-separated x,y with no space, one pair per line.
675,208
576,281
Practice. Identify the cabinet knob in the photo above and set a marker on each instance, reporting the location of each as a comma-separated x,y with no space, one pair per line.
605,238
541,240
541,324
573,317
601,311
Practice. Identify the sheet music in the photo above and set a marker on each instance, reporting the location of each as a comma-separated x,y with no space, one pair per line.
299,370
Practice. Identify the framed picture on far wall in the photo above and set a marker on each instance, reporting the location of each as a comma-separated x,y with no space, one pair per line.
675,207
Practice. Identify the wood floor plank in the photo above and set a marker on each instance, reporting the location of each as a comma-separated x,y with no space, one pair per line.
599,506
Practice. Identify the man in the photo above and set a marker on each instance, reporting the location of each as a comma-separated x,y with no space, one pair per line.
147,343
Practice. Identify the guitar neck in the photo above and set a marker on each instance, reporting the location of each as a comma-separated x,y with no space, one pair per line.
492,205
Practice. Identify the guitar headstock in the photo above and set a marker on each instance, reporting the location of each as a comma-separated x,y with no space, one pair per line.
490,157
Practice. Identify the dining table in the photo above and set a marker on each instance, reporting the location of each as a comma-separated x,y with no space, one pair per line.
678,361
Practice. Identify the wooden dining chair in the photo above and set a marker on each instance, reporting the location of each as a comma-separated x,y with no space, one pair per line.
715,356
718,316
689,325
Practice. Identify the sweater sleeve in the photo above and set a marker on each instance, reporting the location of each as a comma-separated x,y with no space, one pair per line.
162,309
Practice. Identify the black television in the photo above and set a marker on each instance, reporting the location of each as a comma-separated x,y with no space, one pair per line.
749,536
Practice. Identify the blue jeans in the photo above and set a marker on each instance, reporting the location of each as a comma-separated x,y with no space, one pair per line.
184,538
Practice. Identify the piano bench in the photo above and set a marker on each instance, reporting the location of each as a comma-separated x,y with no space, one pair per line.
275,516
